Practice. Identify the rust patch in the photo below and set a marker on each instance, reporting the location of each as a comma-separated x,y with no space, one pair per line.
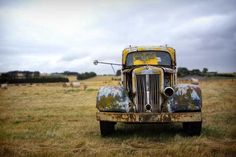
187,97
113,99
150,117
165,118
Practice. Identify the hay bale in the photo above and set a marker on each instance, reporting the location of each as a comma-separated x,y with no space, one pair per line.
67,84
4,86
75,84
194,81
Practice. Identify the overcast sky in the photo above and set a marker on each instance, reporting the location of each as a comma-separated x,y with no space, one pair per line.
59,35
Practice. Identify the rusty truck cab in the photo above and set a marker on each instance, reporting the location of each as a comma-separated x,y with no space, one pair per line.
149,72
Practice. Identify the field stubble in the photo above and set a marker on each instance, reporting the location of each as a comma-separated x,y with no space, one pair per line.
50,120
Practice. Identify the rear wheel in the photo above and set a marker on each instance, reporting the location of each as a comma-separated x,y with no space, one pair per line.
192,128
107,128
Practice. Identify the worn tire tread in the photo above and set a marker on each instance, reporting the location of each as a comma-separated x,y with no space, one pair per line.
192,128
107,128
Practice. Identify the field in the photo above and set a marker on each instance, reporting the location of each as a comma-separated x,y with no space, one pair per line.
52,120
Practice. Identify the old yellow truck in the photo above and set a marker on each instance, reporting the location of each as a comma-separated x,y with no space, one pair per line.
149,92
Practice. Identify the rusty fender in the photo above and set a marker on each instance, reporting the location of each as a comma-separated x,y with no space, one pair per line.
149,117
187,97
113,99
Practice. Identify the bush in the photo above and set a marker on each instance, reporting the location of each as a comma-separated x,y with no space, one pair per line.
225,75
182,71
70,73
86,75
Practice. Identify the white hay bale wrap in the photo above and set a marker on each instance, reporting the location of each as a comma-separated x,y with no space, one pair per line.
4,86
76,84
194,81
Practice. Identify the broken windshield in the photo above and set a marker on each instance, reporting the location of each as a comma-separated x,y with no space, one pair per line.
148,58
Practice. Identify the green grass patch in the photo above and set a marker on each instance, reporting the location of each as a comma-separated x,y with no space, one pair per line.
71,90
214,131
91,90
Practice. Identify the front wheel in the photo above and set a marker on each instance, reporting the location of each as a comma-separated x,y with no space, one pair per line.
107,128
192,128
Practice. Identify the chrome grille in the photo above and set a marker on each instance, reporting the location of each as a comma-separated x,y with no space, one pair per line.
152,84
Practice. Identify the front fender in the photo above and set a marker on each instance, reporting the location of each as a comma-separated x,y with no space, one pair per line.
187,97
113,99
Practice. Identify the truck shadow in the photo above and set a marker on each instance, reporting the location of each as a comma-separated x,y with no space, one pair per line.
149,130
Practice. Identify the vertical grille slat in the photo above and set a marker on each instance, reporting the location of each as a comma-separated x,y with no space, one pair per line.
154,91
142,92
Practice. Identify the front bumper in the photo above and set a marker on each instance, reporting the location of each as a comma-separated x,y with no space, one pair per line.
149,117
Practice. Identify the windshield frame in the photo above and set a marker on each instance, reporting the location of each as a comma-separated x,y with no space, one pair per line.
130,66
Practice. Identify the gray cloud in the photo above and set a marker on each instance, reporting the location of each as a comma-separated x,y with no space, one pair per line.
69,35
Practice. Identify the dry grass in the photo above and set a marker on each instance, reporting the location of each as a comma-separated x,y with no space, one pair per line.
49,120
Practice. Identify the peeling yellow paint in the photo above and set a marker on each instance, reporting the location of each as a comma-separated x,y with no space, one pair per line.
149,59
169,50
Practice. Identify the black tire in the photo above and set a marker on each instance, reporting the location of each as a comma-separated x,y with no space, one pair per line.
192,128
107,128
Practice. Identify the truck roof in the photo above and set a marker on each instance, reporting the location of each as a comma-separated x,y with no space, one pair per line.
130,49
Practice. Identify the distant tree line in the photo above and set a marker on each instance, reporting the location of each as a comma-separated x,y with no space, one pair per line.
86,75
35,77
44,79
65,73
70,73
80,76
20,74
29,77
183,71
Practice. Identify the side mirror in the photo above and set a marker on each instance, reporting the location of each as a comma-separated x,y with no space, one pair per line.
95,62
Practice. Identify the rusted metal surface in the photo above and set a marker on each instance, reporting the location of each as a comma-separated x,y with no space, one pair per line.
150,93
187,97
169,70
111,98
149,117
